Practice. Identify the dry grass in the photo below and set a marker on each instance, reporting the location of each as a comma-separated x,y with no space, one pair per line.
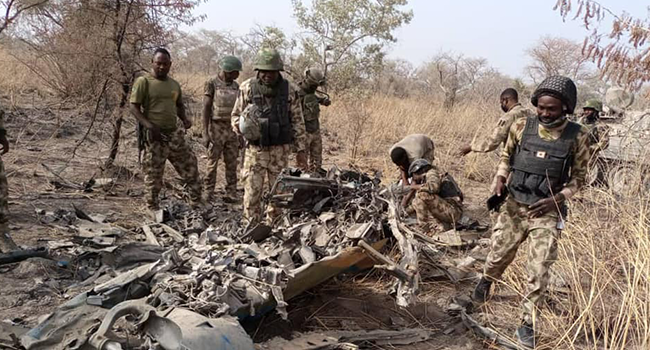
600,297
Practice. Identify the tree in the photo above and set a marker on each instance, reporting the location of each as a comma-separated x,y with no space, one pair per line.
558,56
623,54
339,32
95,49
452,75
201,51
12,9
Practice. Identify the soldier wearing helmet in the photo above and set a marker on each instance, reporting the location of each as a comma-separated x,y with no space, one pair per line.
268,113
310,101
220,94
598,131
544,163
437,199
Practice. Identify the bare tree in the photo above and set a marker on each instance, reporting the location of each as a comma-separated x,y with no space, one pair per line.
10,10
453,75
620,52
558,56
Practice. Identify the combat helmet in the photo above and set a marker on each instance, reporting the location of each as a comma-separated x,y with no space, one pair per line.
419,165
314,76
594,104
268,59
230,64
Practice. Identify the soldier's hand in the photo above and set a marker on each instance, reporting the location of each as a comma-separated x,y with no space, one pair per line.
187,123
5,144
206,139
154,133
500,186
542,207
464,150
301,159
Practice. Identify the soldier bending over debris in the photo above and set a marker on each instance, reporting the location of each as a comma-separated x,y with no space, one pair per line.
437,199
410,148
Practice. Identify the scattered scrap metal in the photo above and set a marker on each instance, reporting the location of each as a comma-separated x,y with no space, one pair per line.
209,268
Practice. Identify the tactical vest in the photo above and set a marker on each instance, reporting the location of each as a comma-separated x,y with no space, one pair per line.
449,188
540,168
275,118
224,100
311,112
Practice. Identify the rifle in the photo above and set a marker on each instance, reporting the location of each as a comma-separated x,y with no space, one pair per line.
141,131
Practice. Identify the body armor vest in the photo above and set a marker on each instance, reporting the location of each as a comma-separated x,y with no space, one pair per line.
275,117
540,168
224,101
311,112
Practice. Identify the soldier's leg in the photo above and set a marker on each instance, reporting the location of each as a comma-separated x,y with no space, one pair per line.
316,151
445,211
230,154
255,164
278,161
214,152
508,233
542,253
421,208
6,243
184,161
153,165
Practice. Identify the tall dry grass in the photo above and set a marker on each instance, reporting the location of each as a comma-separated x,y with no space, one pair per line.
600,293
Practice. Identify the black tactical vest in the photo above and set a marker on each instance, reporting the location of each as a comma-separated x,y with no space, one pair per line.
540,168
275,118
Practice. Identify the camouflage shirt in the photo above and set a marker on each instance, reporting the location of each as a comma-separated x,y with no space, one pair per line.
598,135
500,132
223,96
580,153
297,121
432,181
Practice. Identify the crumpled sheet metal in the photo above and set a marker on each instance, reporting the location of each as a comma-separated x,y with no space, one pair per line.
349,340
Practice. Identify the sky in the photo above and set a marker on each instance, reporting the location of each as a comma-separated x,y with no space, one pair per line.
499,30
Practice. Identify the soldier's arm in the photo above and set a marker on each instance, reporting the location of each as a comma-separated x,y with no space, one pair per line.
579,167
498,135
238,108
137,99
298,124
180,108
514,136
208,97
432,183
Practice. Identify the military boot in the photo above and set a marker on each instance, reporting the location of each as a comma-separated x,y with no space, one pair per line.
482,290
526,336
7,245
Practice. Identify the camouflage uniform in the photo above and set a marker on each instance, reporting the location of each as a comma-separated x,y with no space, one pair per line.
174,148
500,131
313,78
6,243
223,140
430,207
598,135
513,226
265,163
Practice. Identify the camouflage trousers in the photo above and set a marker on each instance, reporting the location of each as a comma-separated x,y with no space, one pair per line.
512,228
4,194
262,164
315,150
174,148
431,208
223,142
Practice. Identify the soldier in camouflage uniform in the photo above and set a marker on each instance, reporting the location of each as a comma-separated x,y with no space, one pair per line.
221,92
6,243
157,103
437,200
268,107
513,110
598,131
545,162
311,110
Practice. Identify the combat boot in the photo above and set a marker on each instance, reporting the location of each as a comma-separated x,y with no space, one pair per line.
7,245
526,336
482,290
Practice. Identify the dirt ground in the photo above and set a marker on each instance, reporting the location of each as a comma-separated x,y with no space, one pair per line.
45,148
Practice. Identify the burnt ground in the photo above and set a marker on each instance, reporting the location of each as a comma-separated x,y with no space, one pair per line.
46,147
